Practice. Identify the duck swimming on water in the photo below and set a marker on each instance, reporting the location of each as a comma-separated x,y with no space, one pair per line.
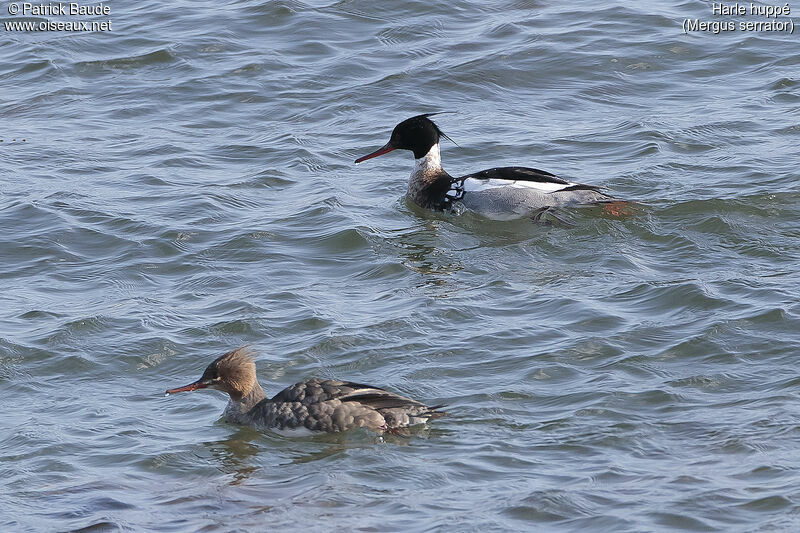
500,193
315,405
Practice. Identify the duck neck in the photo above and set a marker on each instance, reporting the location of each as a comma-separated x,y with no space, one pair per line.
427,172
237,410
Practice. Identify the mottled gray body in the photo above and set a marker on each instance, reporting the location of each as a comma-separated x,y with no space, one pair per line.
330,406
314,405
515,202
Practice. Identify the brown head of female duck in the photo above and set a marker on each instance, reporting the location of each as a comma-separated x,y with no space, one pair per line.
314,405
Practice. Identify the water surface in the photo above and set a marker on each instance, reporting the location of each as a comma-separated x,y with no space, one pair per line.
184,184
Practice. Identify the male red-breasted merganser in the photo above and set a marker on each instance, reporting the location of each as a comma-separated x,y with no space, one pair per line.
323,405
499,193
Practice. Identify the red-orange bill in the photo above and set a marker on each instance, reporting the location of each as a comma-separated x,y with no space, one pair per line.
191,386
380,151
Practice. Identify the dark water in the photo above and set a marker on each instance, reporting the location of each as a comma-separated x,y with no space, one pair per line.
183,184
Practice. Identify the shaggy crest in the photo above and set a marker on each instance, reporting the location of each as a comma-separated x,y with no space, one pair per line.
236,369
435,125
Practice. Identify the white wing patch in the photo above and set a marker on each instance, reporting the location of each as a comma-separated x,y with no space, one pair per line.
476,185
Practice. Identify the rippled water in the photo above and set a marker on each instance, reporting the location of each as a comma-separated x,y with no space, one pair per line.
184,184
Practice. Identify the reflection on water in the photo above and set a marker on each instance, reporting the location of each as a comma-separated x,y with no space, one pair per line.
231,455
234,455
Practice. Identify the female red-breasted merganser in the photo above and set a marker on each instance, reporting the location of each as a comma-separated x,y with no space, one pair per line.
322,405
498,193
